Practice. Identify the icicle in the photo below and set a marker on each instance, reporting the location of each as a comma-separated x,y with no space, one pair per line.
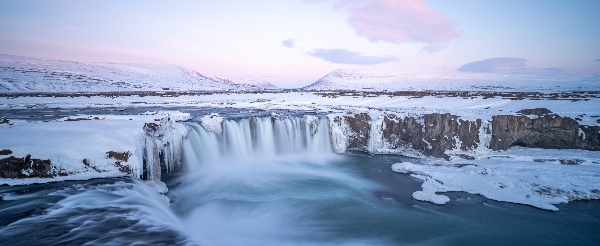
485,135
313,123
339,133
376,143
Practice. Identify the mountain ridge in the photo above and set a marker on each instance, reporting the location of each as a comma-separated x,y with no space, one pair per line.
351,80
29,74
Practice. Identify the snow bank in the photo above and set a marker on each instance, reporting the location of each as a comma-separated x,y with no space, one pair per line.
536,177
174,115
404,167
430,186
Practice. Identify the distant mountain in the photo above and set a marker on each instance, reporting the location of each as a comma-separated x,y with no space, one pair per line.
26,74
249,83
428,81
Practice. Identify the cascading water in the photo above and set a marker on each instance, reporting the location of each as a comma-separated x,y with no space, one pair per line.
262,181
258,138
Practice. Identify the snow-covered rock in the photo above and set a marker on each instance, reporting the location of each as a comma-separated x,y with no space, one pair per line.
212,123
430,197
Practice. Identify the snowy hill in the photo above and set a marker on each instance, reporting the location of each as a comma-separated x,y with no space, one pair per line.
244,82
414,81
25,74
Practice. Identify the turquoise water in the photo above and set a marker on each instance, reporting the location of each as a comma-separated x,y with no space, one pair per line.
350,199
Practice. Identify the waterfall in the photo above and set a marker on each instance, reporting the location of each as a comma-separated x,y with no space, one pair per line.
257,138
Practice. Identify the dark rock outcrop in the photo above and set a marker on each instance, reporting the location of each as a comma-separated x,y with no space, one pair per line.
535,111
27,167
403,133
120,157
446,132
439,133
360,125
548,131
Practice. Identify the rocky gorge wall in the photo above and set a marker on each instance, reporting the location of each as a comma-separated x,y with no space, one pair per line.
154,144
437,134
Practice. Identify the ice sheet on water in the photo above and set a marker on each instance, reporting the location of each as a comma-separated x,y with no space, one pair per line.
536,177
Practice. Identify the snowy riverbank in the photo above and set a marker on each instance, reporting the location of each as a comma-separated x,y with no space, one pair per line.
91,146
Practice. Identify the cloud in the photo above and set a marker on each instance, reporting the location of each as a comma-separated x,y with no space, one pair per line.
597,60
495,65
432,48
397,21
68,29
349,57
553,69
288,43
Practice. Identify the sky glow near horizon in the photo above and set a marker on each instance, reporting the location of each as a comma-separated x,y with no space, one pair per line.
296,42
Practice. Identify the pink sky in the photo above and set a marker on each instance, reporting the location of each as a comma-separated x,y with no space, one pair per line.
246,39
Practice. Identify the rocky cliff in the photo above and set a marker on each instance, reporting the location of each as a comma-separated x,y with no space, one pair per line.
436,134
544,130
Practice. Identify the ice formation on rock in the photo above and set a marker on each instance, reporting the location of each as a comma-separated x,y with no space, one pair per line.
212,123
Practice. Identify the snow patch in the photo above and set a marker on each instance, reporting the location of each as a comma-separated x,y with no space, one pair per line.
174,115
430,197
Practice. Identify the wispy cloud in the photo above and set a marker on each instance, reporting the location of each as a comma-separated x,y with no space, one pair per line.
597,60
343,56
69,29
495,65
288,43
398,21
509,65
553,69
432,48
